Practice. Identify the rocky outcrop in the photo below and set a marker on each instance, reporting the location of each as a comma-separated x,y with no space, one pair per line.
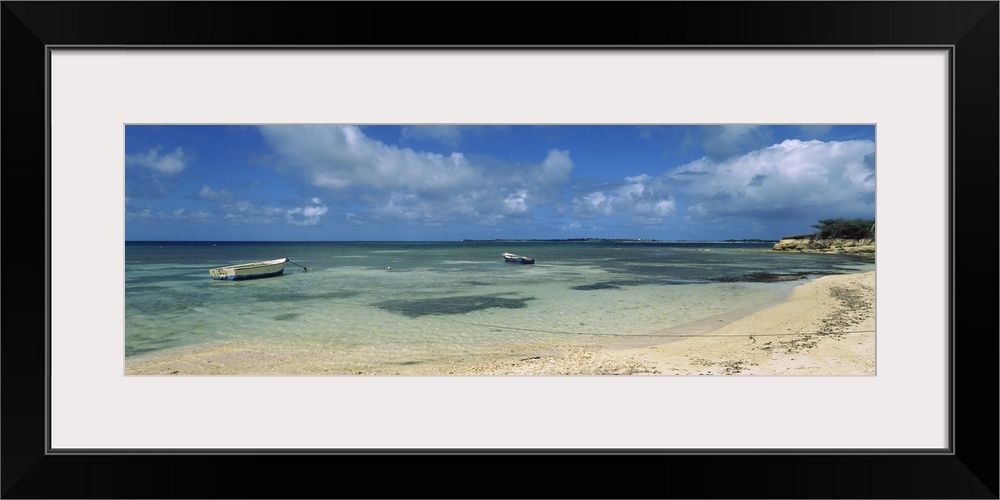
862,247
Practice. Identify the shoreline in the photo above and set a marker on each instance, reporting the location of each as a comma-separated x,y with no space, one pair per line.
823,327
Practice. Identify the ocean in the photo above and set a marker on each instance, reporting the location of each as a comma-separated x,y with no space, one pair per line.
365,307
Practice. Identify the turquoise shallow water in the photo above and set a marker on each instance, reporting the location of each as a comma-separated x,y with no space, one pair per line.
443,300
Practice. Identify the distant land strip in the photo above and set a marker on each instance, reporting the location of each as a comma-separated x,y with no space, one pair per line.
612,240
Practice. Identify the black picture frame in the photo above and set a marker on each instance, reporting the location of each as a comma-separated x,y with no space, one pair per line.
969,470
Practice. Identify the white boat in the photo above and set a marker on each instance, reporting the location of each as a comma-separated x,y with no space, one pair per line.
250,271
517,259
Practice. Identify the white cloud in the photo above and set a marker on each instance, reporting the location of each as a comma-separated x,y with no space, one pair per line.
238,212
208,194
305,216
405,207
342,157
781,181
656,209
169,164
201,214
516,203
408,185
556,168
641,196
591,204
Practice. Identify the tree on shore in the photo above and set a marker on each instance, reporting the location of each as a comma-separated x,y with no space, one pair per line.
845,228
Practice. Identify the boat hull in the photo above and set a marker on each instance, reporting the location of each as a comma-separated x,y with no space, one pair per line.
253,271
517,259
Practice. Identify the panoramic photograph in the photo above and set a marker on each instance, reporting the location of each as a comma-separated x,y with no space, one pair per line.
499,250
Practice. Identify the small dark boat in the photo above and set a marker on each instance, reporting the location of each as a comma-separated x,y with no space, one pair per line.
517,259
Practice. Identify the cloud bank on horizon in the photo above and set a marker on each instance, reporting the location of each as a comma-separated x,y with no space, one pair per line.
438,182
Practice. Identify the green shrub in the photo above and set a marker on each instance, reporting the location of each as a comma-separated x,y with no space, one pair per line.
845,228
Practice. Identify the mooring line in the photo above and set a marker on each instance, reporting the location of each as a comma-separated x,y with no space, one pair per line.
304,268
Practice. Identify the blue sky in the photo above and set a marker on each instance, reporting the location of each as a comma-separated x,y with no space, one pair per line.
442,182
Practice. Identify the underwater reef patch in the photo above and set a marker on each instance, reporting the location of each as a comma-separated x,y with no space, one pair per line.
596,286
441,306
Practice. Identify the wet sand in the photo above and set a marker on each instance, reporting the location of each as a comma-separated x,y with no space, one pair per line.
825,327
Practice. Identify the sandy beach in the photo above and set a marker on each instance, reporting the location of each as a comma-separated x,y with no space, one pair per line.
825,327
